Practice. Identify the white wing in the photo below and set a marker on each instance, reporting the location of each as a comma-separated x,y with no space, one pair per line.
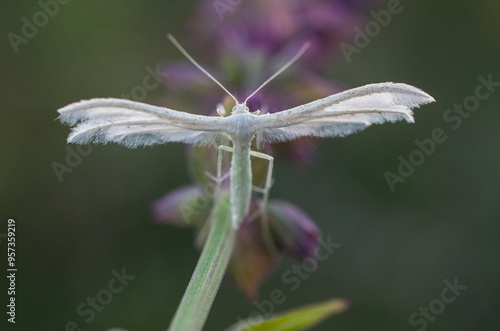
133,124
343,113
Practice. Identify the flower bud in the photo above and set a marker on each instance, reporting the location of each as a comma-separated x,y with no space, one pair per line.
294,232
184,206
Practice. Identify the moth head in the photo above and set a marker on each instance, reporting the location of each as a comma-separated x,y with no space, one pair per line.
240,109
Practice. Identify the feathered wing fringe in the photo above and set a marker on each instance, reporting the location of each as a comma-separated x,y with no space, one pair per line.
344,113
134,124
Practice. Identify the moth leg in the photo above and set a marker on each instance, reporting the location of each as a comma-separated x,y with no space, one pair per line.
219,177
221,110
269,180
215,178
266,227
210,176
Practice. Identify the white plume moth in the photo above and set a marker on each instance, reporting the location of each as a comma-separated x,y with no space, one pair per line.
133,124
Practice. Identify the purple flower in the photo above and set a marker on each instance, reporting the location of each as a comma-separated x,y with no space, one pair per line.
294,232
284,229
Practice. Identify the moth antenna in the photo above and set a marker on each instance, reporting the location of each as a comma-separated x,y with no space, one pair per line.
301,51
190,58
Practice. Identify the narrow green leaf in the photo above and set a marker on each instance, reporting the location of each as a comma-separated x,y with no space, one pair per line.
294,320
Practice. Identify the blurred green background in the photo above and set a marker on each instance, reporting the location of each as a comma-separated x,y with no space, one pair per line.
396,248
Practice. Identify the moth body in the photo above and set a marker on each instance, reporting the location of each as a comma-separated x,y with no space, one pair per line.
241,129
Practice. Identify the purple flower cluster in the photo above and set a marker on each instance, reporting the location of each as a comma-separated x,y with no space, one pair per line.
247,41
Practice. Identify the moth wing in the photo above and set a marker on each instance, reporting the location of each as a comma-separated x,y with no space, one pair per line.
134,124
343,113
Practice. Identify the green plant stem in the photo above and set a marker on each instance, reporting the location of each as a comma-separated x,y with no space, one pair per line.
204,284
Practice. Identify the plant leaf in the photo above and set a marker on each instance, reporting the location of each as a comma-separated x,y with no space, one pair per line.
294,320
